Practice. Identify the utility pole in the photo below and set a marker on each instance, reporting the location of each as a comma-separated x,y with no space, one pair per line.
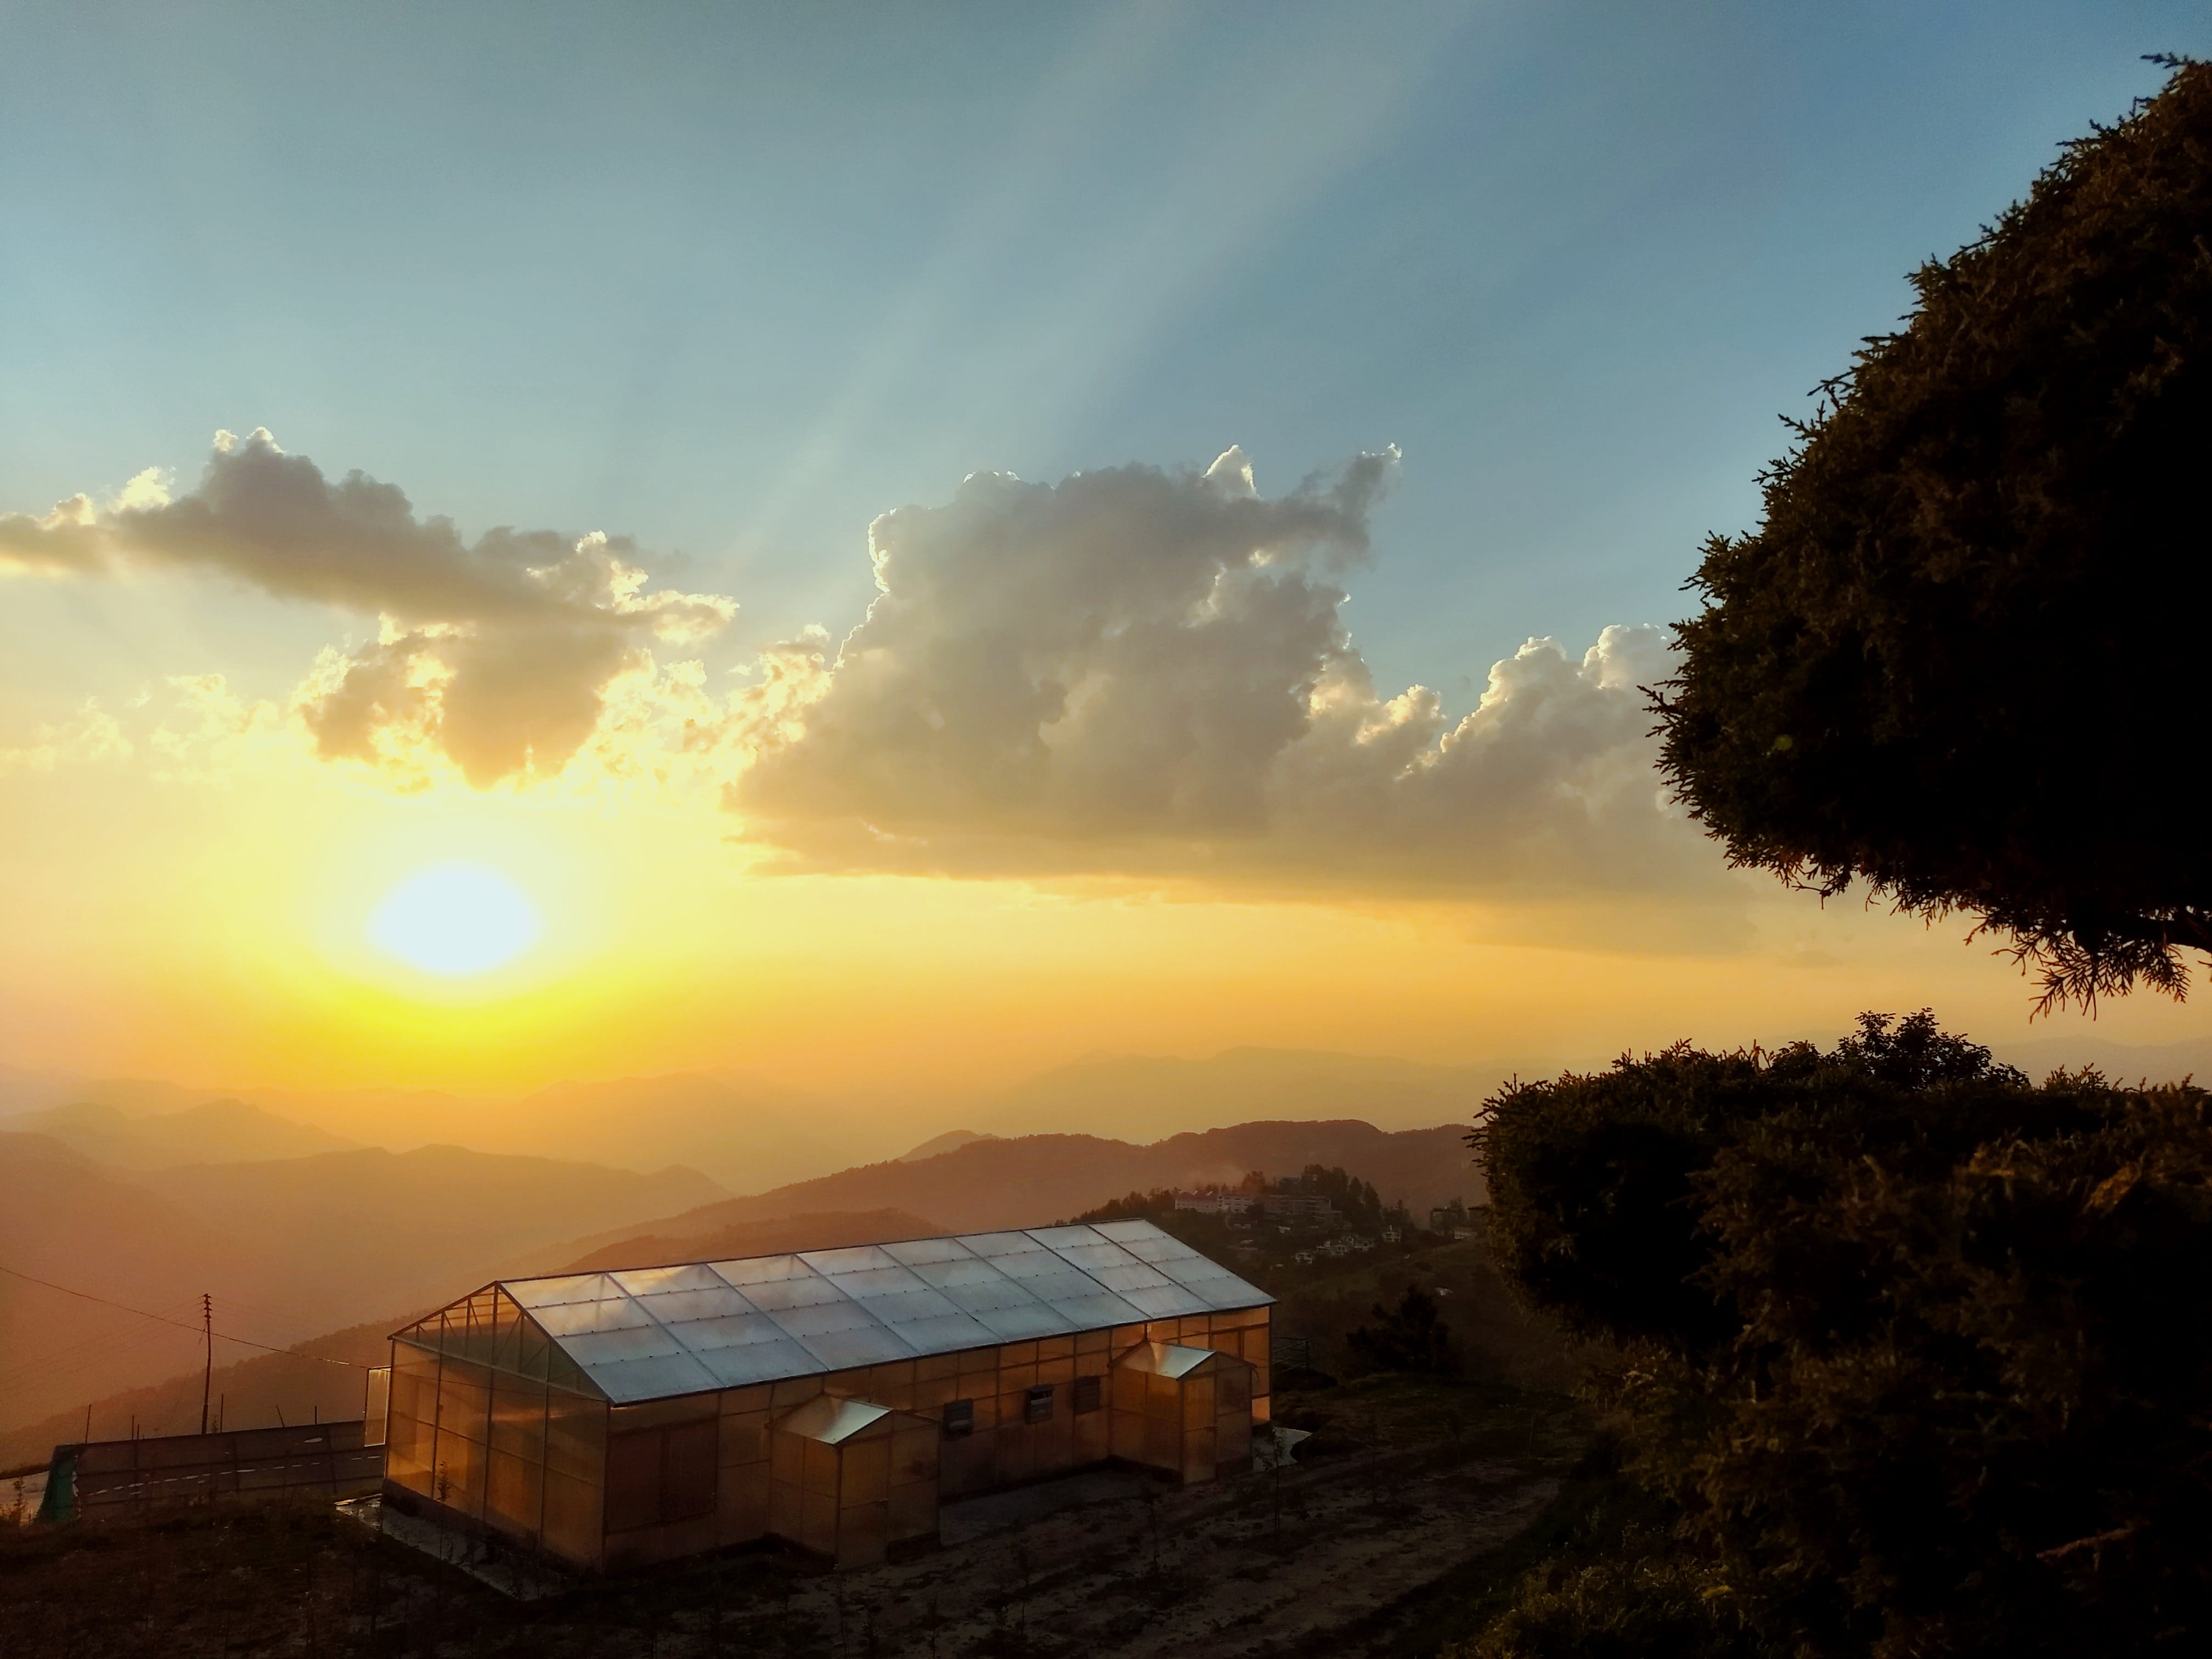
207,1377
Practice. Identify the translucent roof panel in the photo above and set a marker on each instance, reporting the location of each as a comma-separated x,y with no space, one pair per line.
1166,1301
854,1259
912,1251
1059,1239
1169,1256
1165,1358
790,1295
645,1333
832,1421
770,1360
674,1307
571,1287
581,1318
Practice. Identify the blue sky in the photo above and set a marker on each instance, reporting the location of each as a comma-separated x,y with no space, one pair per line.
733,279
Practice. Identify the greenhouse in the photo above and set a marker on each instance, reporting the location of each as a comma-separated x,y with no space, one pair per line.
832,1399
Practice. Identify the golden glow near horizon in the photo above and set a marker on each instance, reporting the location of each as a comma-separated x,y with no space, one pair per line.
664,950
195,888
456,920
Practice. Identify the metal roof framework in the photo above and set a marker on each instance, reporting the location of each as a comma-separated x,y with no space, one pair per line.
651,1333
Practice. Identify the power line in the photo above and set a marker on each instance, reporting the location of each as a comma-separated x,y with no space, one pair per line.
48,1370
196,1330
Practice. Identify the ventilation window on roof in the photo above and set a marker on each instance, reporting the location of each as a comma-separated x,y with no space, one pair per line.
1087,1395
959,1419
1037,1408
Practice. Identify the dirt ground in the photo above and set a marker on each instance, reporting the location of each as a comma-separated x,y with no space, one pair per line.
1404,1490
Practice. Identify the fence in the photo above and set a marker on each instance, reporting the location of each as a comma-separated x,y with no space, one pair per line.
112,1478
1293,1353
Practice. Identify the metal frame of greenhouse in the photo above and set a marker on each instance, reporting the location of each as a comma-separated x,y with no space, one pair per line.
831,1398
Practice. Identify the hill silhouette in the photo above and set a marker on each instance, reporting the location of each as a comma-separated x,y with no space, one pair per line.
1145,1098
64,1218
290,1248
750,1133
215,1132
1027,1180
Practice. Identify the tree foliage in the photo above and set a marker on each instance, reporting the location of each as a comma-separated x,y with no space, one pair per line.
1917,1351
1355,1200
1410,1337
1946,661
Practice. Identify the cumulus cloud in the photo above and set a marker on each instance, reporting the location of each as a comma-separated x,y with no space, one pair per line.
1123,651
1146,670
1136,671
496,654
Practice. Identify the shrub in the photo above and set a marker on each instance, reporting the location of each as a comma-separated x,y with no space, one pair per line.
1923,1364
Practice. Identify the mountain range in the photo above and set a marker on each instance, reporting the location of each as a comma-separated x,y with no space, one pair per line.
293,1247
216,1131
1026,1180
306,1214
750,1135
288,1248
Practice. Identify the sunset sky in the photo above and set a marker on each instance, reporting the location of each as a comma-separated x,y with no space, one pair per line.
893,546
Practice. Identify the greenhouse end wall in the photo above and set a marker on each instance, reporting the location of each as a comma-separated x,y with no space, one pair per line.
512,1456
540,1463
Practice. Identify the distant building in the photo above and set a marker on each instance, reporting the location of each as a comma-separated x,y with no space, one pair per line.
1215,1203
1391,1235
1297,1207
830,1398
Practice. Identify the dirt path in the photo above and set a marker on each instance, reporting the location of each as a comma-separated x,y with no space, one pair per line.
1246,1570
1403,1482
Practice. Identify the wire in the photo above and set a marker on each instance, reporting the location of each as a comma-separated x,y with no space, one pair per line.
48,1372
196,1330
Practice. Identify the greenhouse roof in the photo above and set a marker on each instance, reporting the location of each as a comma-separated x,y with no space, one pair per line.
1167,1358
644,1333
833,1421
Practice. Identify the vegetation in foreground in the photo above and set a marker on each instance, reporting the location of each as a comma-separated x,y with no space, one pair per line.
1913,1351
1943,664
1912,1354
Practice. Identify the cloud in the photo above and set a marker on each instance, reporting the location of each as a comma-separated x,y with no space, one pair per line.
1134,672
494,654
1139,670
92,737
209,734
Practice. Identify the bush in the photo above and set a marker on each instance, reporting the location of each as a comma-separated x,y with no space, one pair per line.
1411,1337
1650,1598
1917,1350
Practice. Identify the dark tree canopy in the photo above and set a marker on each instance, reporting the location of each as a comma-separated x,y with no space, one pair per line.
1955,659
1916,1351
1410,1337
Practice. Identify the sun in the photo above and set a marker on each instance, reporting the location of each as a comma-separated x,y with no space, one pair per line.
455,920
